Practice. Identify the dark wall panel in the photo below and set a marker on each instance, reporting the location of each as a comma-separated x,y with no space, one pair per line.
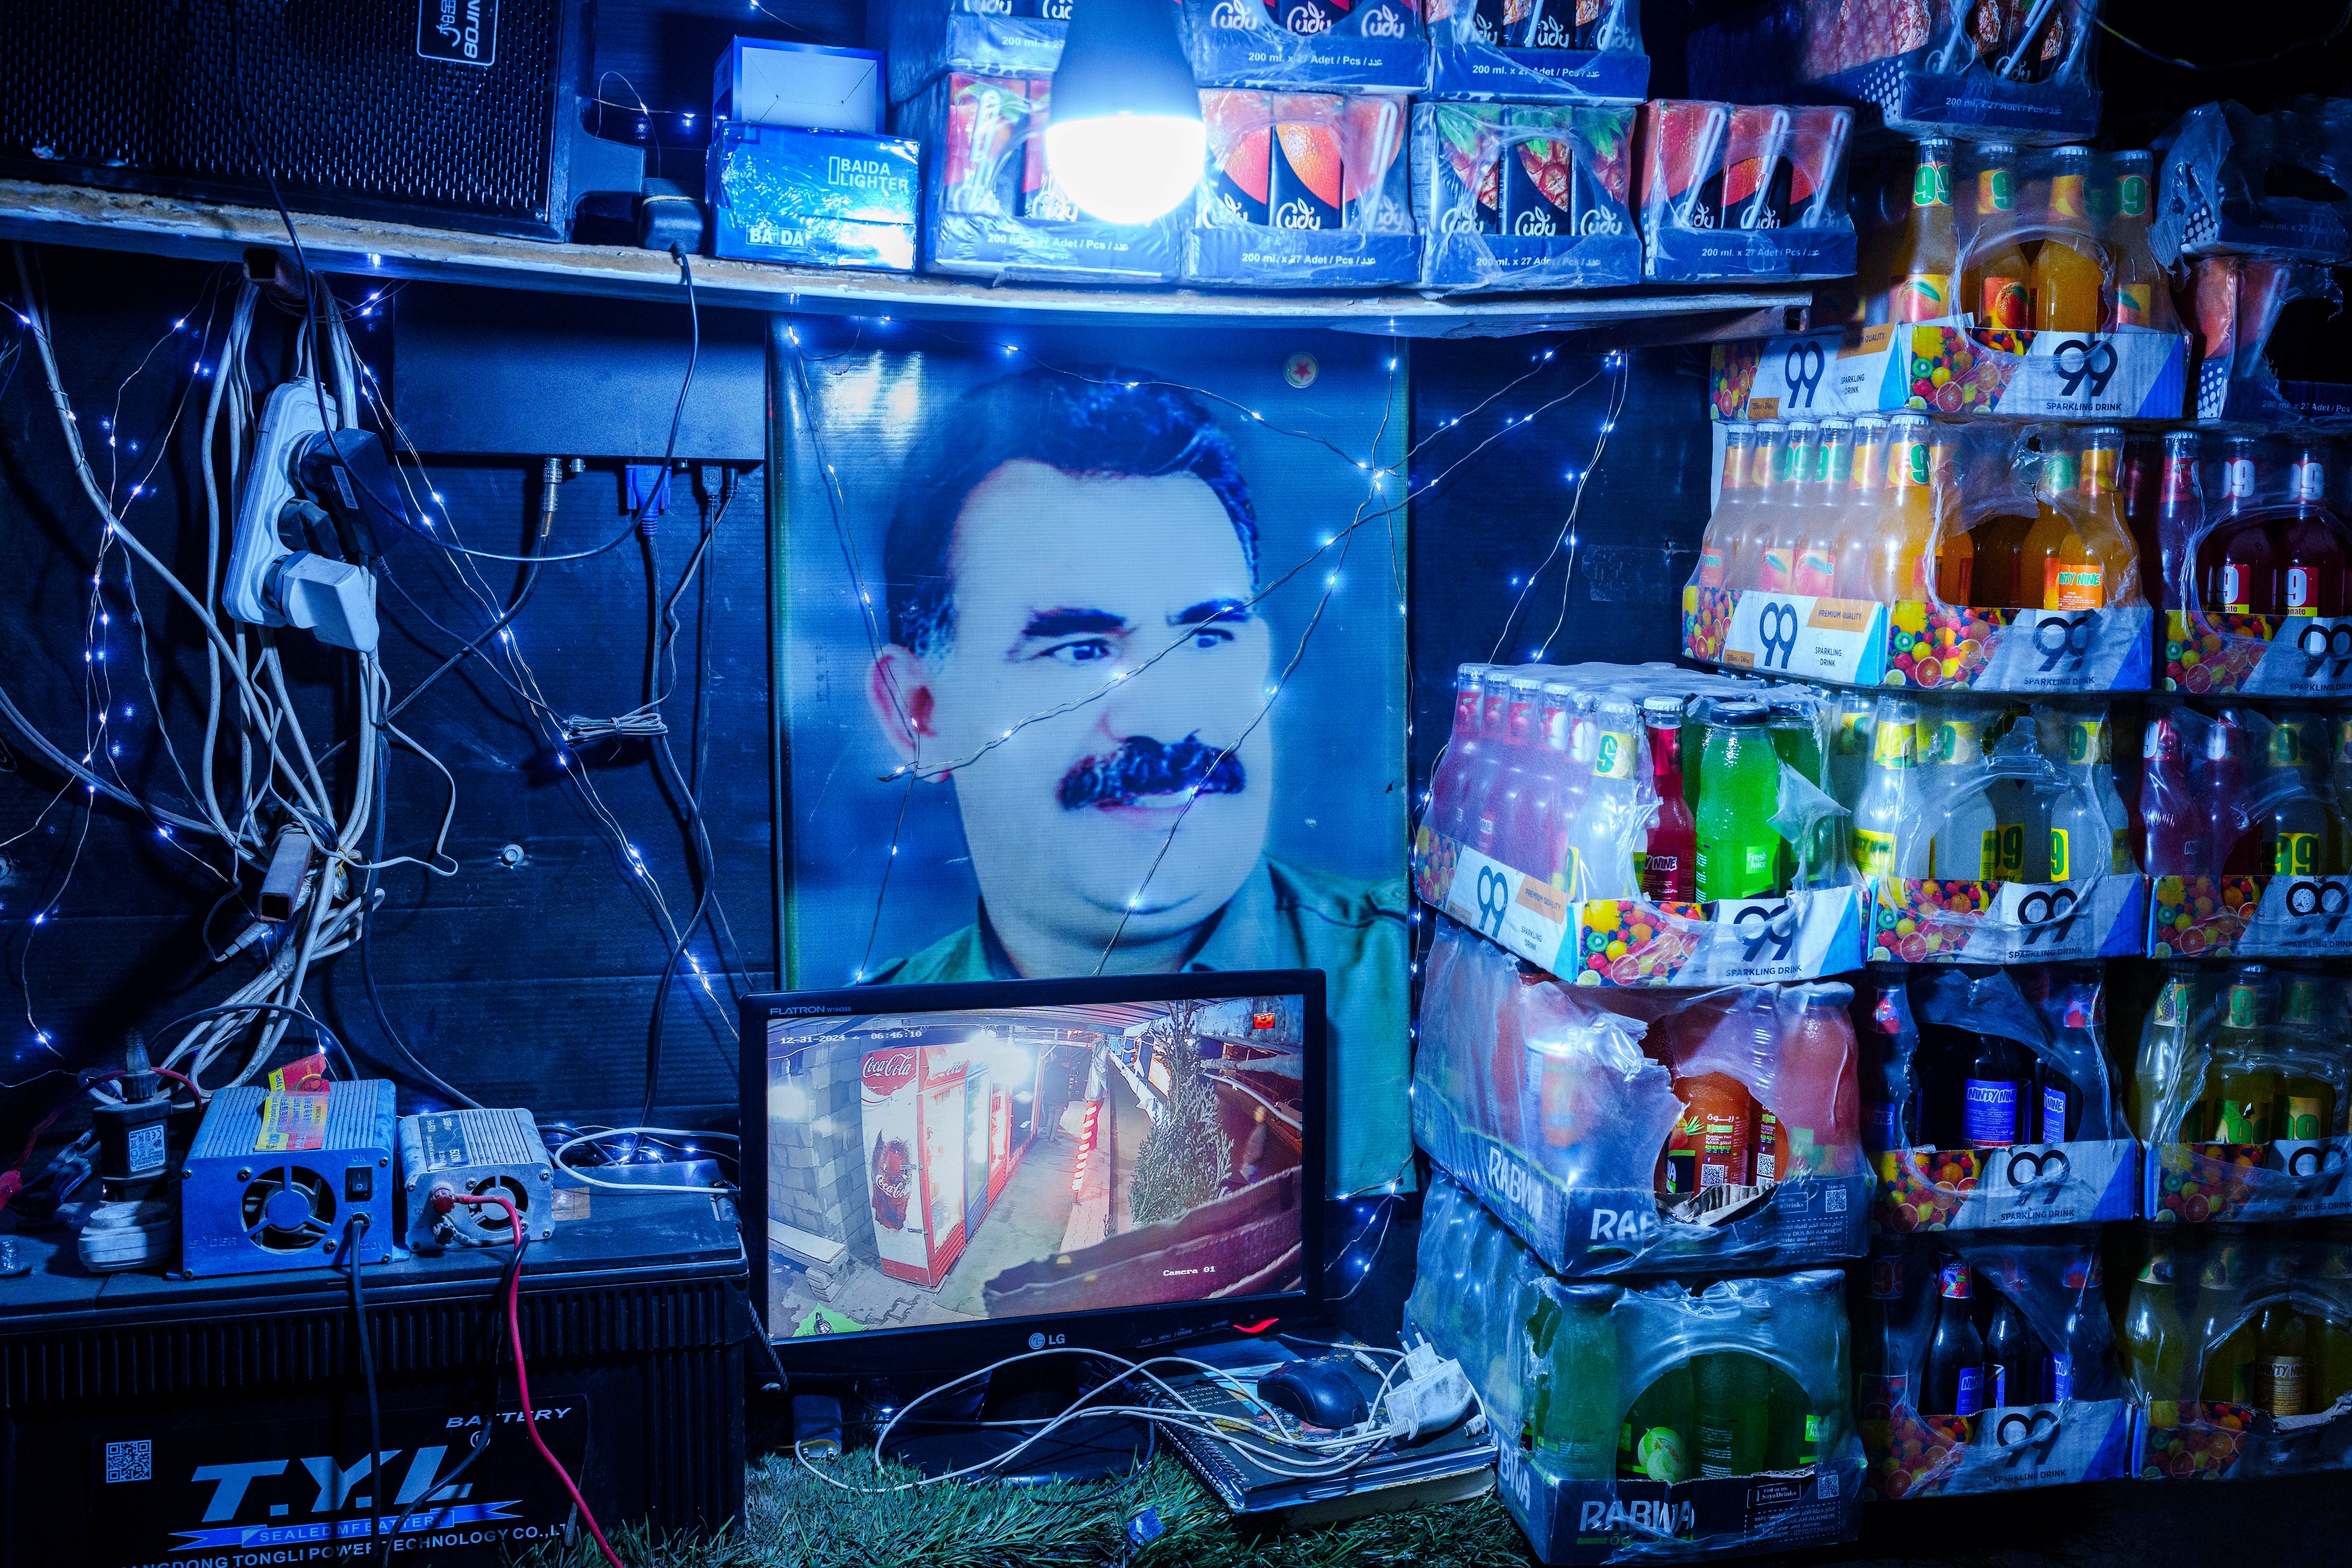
527,983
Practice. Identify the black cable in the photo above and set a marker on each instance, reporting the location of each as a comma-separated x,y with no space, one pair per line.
669,451
359,1222
2329,36
367,949
489,1413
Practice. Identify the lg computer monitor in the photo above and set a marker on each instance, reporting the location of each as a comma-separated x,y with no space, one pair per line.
945,1174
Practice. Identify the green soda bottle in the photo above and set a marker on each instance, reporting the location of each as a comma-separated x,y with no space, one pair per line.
1795,743
2306,1107
1738,790
1654,1444
1792,1441
2246,1085
1575,1347
2155,1321
1733,1397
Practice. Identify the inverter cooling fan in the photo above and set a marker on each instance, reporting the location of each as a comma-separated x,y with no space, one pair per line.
274,1179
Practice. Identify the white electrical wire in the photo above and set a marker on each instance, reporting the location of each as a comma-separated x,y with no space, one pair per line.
1310,1457
579,1175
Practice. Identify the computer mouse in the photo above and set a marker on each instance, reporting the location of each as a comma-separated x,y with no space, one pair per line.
1320,1392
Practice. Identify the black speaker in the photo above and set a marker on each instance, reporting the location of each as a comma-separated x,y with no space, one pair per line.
448,113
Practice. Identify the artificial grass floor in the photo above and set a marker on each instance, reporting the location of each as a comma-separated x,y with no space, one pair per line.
792,1519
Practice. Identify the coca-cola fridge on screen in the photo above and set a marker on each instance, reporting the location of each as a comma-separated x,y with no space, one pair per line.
912,1098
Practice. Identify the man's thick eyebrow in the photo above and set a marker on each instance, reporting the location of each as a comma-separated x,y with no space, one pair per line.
1064,621
1209,611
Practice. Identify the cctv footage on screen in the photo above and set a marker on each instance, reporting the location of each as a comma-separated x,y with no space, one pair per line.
935,1168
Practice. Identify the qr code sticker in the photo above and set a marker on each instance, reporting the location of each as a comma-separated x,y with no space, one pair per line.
131,1462
1828,1484
1833,1200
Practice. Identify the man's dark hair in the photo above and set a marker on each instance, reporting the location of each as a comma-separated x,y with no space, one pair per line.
1096,422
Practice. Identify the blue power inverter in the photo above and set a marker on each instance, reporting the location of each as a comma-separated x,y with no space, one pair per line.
274,1180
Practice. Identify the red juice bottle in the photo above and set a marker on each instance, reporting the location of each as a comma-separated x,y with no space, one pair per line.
2232,843
2175,818
2177,507
1670,862
2238,568
2311,558
1463,749
1459,822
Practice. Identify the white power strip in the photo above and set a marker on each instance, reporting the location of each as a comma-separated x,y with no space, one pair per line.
269,583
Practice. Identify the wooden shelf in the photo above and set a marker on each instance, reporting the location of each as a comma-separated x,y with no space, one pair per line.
122,220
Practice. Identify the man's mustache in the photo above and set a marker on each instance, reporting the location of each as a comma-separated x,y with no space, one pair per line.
1142,766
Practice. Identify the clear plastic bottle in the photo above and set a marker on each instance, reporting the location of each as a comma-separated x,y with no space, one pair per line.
1881,817
1818,534
1851,728
2163,1064
2090,831
1899,552
1793,499
1865,507
1964,843
1720,546
1611,824
1767,470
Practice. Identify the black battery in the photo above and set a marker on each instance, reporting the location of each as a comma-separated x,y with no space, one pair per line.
224,1420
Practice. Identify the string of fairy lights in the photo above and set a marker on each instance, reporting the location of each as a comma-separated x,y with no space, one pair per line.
1329,551
115,741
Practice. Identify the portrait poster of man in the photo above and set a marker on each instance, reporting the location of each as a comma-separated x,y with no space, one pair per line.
1083,670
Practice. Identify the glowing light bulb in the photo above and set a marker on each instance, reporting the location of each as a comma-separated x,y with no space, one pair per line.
1126,168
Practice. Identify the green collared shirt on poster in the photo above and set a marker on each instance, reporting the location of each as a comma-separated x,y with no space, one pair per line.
1285,917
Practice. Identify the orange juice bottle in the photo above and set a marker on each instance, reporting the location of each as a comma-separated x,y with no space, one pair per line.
2052,535
2141,295
2101,558
1899,551
1921,288
1717,546
1955,550
1998,541
2068,281
1999,284
1865,498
